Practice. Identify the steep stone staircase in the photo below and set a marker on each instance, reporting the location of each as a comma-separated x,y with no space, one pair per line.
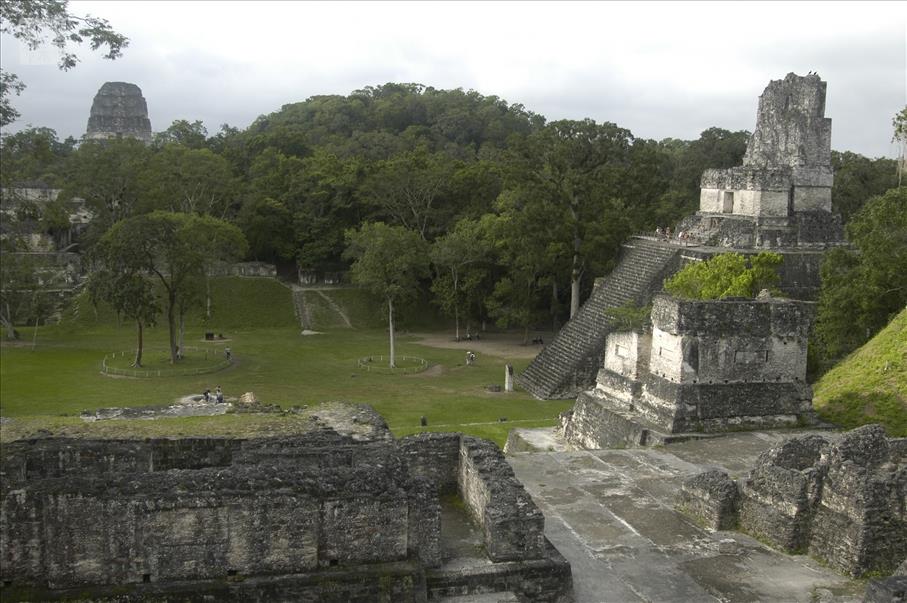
570,363
300,308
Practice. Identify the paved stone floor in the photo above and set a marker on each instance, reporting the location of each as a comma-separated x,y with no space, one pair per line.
611,514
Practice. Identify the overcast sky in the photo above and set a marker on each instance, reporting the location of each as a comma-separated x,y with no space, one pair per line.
661,70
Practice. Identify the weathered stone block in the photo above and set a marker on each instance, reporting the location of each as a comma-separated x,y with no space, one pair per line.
860,524
711,497
886,590
779,496
513,525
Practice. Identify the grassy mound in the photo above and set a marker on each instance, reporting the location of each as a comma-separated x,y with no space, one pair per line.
236,303
249,303
870,385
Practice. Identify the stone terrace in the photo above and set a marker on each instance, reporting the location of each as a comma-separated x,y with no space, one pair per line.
612,514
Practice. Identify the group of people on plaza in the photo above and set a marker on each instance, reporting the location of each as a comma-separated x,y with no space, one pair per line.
218,395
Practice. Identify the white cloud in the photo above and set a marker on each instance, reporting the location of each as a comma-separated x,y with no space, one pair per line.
659,69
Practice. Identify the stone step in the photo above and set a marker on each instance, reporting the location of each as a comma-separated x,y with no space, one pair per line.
570,360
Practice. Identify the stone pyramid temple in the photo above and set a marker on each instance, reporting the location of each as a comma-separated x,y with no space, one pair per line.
119,110
778,200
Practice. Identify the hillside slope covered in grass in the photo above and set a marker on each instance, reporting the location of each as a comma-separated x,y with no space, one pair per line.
870,385
236,303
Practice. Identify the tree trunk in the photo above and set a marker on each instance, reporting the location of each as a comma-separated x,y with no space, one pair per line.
139,344
574,292
456,305
180,346
576,272
207,297
526,334
171,326
390,321
34,340
7,320
554,305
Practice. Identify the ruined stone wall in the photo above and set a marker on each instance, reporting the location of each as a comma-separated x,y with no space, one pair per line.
171,510
842,501
550,580
434,457
713,366
513,525
325,515
860,523
243,269
779,496
592,424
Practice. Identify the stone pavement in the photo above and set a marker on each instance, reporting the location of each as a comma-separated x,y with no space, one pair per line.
611,514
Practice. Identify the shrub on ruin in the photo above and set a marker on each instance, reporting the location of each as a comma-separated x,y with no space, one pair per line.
727,275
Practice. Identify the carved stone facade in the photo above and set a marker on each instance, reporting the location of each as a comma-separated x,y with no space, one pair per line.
705,367
119,111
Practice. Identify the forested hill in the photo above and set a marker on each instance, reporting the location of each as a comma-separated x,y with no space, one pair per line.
376,123
520,212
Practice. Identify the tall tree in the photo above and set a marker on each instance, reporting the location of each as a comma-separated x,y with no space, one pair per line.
900,137
192,135
530,260
863,289
858,179
18,280
458,258
389,261
579,169
106,174
32,20
178,178
410,189
176,249
33,154
120,279
268,226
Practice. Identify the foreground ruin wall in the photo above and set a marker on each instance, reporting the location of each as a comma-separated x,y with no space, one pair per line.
841,501
302,516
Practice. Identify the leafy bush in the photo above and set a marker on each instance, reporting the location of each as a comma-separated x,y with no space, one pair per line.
726,275
630,317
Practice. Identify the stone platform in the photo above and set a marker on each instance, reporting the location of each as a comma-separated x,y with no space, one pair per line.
611,514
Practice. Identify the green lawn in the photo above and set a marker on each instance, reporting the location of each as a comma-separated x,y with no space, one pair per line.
62,377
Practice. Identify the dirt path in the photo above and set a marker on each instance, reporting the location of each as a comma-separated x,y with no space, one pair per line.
502,345
335,307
